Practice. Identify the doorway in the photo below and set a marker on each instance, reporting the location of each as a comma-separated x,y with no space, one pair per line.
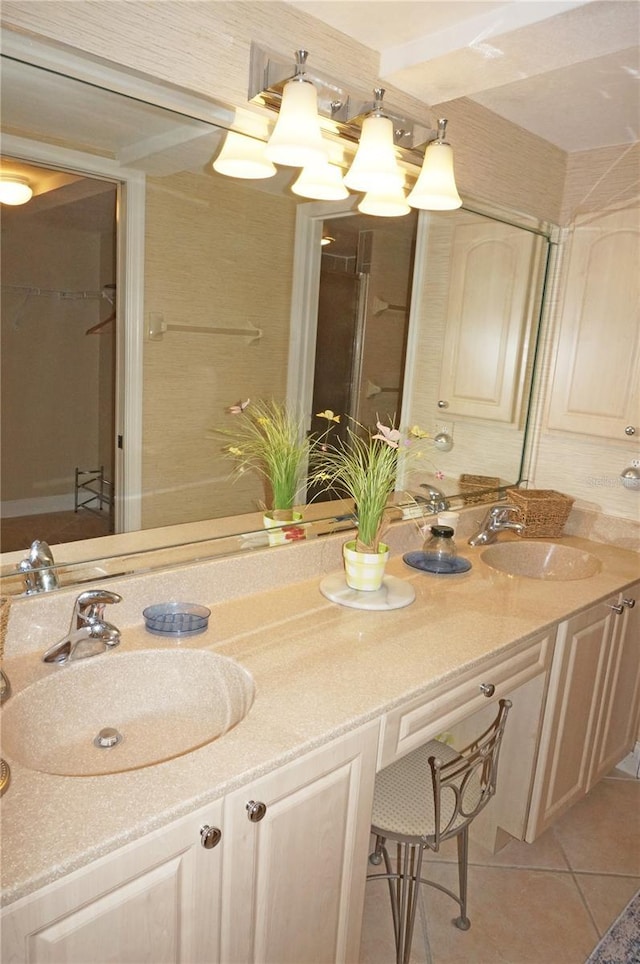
363,317
59,361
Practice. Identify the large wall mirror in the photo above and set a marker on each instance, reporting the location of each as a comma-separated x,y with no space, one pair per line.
117,372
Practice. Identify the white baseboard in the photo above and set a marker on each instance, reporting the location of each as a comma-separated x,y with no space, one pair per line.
631,763
50,503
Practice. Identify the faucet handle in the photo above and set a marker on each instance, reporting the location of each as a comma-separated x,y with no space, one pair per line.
89,606
501,512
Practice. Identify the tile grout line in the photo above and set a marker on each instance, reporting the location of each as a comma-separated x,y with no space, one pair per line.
578,888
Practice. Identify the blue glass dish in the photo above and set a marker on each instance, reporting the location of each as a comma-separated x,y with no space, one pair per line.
429,562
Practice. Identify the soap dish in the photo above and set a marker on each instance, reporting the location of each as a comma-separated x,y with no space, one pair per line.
176,619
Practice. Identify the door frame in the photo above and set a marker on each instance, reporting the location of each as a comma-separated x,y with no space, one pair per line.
129,309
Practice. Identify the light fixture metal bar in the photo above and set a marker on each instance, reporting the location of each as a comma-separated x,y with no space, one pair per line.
341,111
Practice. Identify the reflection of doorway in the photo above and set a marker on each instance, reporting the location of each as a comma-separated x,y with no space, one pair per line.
58,361
363,317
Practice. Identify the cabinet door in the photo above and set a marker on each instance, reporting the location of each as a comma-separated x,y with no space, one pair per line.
154,901
294,881
571,716
490,302
618,724
595,386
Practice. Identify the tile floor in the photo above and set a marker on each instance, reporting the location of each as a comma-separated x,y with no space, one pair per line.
543,903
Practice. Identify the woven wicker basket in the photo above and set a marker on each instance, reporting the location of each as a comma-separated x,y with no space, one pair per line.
543,512
4,620
470,484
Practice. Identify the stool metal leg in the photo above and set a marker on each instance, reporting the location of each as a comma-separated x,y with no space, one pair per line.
463,922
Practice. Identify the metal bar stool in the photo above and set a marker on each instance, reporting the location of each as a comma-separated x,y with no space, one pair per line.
420,801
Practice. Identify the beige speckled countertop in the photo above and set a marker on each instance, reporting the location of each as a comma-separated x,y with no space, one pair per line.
320,670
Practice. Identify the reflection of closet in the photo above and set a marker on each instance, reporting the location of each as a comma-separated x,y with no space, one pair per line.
489,311
595,388
58,350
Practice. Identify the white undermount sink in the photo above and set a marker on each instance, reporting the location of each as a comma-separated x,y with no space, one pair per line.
162,703
541,560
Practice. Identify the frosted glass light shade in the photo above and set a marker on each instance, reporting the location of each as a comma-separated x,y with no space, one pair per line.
297,139
14,190
435,189
323,182
243,157
375,167
392,204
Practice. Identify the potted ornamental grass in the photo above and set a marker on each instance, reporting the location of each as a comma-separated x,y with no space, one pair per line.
269,439
364,466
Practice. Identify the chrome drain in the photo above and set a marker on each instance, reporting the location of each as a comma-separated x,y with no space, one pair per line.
107,738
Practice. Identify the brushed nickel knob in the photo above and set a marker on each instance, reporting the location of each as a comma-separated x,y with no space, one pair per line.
630,430
487,689
629,603
619,609
210,836
256,810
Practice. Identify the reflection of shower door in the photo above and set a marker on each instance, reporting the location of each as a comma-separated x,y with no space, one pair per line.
340,337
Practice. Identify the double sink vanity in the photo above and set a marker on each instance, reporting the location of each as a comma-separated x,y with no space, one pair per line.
232,821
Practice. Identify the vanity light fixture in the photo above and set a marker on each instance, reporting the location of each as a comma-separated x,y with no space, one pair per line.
375,167
321,182
326,239
309,102
14,190
435,189
385,204
243,157
296,140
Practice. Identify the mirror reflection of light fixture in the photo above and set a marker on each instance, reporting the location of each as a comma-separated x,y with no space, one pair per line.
375,167
387,204
326,239
244,157
322,182
14,190
296,140
435,189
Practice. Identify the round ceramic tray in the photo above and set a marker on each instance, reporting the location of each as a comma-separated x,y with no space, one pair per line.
428,562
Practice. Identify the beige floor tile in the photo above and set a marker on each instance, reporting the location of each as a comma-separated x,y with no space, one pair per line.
518,916
601,833
606,896
544,854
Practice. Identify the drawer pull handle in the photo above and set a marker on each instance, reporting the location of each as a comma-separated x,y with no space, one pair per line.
487,689
617,609
256,810
209,836
629,603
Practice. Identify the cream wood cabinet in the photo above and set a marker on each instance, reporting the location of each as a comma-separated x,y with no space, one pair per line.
155,901
591,718
294,878
596,385
490,303
289,887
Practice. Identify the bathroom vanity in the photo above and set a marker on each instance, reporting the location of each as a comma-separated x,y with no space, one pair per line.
254,847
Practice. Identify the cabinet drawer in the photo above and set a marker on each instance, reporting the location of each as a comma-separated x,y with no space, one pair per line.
420,720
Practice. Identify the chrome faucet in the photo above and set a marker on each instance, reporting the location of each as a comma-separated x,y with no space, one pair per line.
498,519
38,569
437,502
89,632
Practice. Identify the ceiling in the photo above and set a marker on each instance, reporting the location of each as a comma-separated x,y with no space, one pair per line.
566,70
